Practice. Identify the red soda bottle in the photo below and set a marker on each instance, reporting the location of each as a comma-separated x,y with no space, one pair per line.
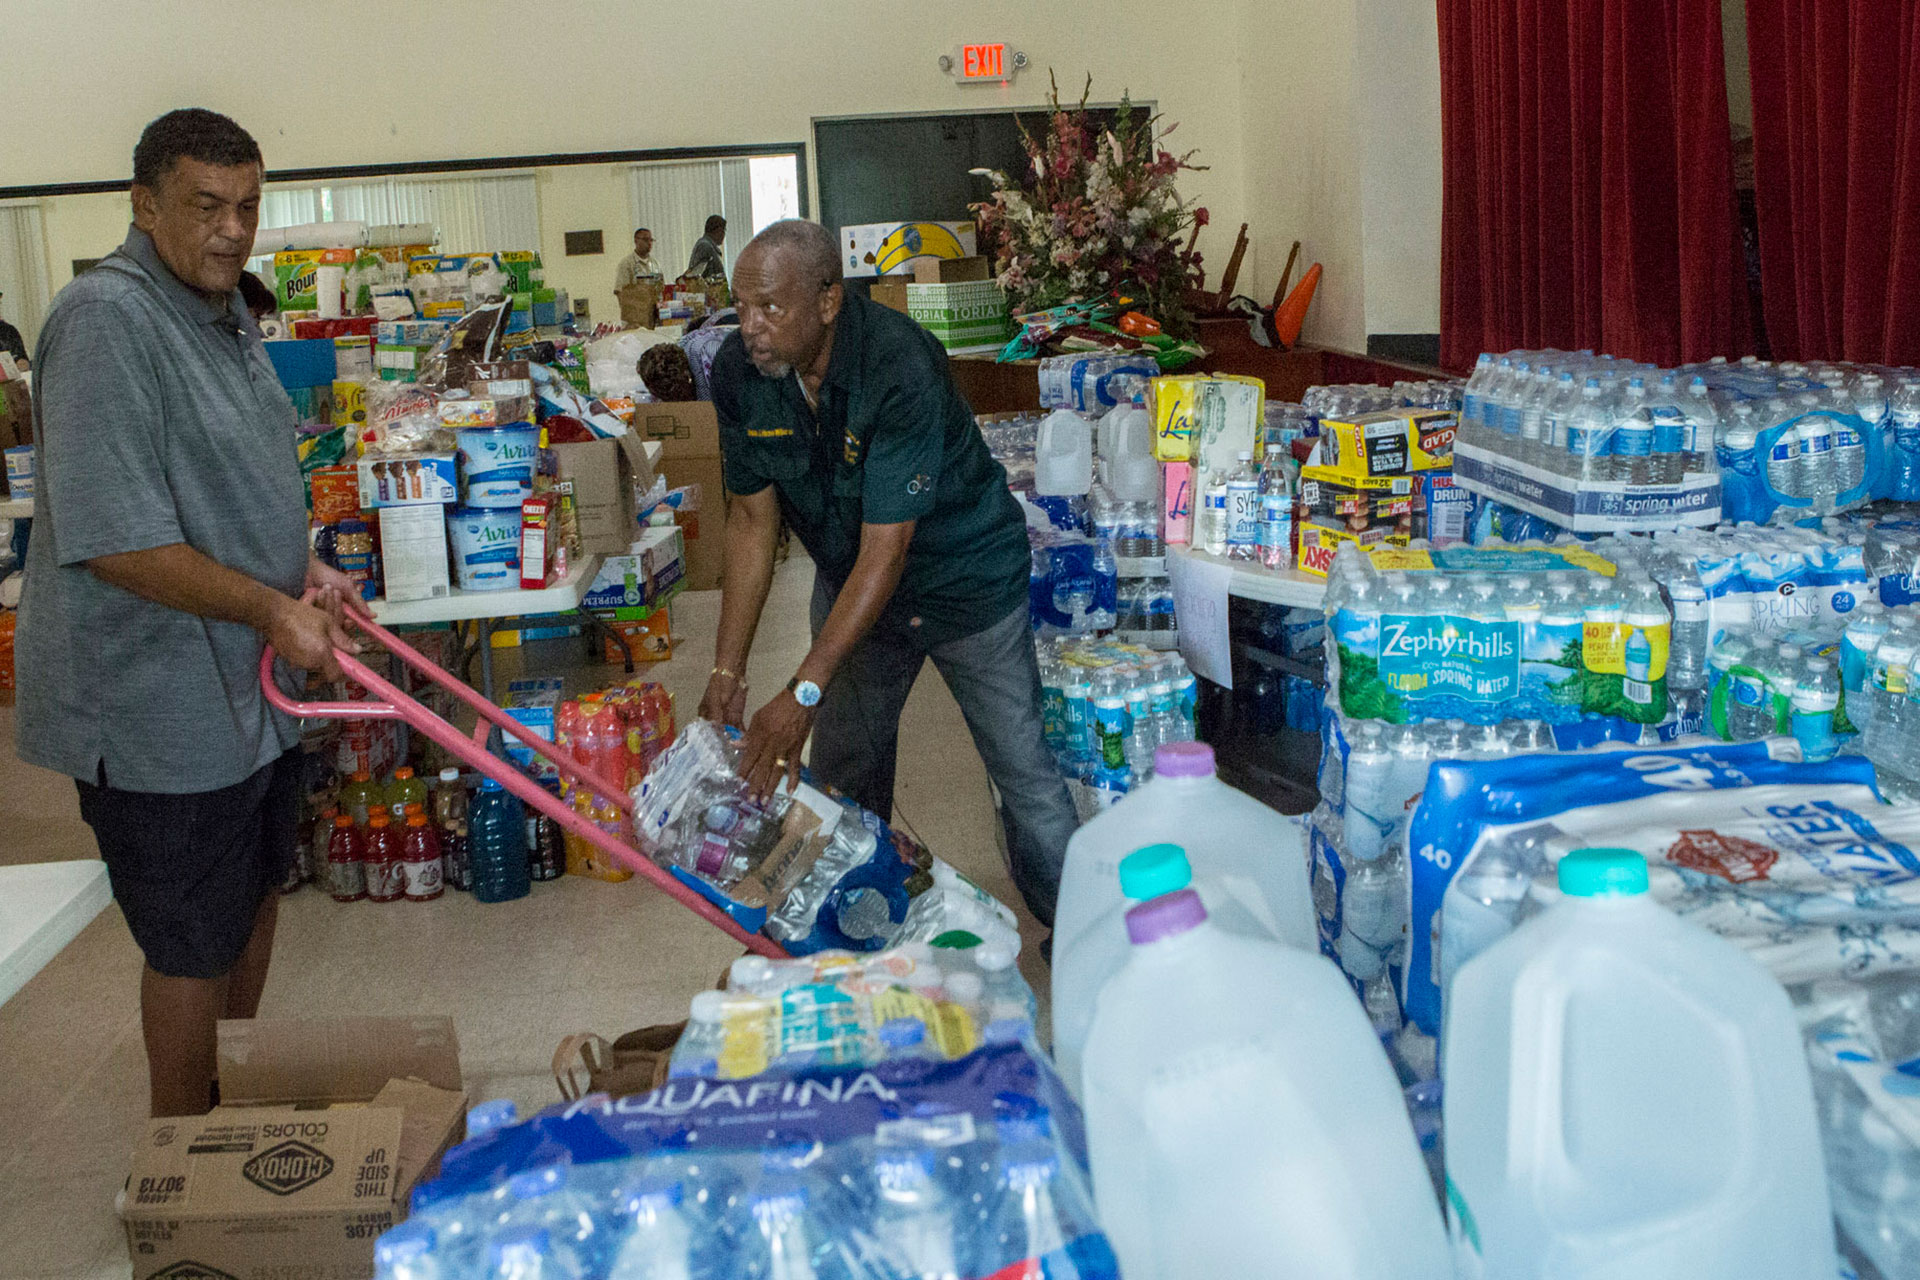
386,882
346,861
420,862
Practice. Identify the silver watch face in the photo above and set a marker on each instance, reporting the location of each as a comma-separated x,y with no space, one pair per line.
807,693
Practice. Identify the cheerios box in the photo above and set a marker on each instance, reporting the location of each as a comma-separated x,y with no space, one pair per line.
324,1127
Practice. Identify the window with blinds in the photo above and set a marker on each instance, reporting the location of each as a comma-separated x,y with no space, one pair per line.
476,214
673,199
24,278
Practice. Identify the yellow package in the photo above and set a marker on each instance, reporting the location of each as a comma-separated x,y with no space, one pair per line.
1318,542
1176,413
349,403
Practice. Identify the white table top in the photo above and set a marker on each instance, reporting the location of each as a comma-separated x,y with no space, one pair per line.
42,906
16,508
465,606
1253,582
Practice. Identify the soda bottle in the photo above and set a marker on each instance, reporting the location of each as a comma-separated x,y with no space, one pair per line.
346,861
450,824
546,850
421,869
360,797
403,790
386,881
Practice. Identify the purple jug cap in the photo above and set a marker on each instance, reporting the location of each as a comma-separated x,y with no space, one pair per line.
1165,917
1183,760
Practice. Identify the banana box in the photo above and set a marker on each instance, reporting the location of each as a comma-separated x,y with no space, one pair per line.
889,248
296,276
1319,541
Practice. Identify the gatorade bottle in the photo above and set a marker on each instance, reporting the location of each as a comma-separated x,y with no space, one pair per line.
346,861
405,789
386,882
359,798
420,860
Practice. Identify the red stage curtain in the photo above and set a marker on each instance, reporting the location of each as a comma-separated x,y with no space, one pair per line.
1836,142
1587,180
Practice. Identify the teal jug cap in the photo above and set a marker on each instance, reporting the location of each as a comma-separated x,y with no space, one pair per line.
1154,870
1603,873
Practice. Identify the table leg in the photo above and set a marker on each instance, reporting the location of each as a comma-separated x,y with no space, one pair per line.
595,629
484,628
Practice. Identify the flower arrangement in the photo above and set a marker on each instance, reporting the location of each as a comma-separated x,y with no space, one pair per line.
1098,214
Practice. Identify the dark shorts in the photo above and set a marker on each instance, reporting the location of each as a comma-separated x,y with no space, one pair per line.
190,871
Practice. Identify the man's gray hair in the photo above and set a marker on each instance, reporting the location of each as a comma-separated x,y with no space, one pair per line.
817,247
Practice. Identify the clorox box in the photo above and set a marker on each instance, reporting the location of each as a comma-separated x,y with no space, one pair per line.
323,1129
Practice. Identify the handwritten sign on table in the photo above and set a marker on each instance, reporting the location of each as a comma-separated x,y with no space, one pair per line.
1200,602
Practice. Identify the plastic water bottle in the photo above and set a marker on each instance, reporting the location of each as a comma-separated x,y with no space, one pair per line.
657,1241
1369,811
407,1253
497,844
1407,778
1743,492
1555,416
1904,409
1083,968
780,1240
1816,696
1024,1222
1609,1046
1105,605
1238,1101
1750,703
1231,839
548,1199
529,1253
1243,509
1374,915
1589,435
1534,399
1473,399
1892,663
1817,480
1672,433
1849,451
1632,452
1687,654
912,1217
1703,423
1783,457
1858,643
1783,676
1513,391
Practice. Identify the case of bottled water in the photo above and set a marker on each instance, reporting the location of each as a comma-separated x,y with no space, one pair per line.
908,1170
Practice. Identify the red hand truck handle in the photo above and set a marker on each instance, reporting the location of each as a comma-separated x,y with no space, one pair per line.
472,752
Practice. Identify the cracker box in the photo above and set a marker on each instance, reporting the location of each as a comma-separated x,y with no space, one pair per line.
537,540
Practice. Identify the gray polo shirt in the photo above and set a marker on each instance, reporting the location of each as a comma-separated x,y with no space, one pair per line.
158,419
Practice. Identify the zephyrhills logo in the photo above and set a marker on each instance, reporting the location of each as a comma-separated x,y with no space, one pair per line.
191,1271
287,1168
1482,644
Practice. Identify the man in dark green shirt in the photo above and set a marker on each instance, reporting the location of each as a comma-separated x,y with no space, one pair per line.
841,416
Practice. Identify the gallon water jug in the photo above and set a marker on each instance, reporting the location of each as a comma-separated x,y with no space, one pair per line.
1232,841
1242,1120
1063,455
1133,473
1627,1097
1082,967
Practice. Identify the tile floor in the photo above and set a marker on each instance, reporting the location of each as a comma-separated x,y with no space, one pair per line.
576,955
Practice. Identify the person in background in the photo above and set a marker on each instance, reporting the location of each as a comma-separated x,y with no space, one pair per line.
707,262
258,299
170,545
637,264
842,416
12,343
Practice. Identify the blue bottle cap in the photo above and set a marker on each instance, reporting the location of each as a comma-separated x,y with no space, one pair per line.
1154,870
1603,873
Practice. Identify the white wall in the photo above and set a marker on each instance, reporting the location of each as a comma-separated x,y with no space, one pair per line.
1265,89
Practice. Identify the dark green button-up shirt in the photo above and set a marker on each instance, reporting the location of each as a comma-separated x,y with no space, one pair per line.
892,440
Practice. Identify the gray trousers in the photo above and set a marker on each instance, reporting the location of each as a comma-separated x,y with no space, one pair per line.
995,678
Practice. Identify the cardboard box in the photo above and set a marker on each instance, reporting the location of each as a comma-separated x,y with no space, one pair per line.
424,479
1391,443
689,436
537,533
650,639
891,291
324,1129
887,248
16,413
1318,542
533,703
413,553
602,476
627,585
965,317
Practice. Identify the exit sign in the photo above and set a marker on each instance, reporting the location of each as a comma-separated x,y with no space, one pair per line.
983,63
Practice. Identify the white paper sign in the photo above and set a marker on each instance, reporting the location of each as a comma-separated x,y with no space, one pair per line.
1200,602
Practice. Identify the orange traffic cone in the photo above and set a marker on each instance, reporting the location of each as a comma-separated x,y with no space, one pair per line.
1291,314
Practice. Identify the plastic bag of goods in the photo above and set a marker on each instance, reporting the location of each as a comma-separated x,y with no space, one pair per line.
810,870
972,1168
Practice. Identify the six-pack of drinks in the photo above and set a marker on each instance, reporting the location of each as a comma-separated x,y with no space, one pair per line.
1106,706
811,870
1595,443
909,1166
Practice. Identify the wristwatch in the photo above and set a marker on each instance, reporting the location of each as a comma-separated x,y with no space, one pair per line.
805,692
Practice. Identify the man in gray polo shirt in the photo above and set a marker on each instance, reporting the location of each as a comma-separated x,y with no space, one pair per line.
169,545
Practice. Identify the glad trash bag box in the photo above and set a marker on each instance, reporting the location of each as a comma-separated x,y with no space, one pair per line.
324,1127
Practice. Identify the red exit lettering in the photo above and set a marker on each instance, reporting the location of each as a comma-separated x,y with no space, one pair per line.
983,61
